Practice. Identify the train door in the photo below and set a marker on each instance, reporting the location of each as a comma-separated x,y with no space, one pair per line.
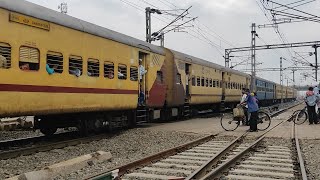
187,80
142,77
223,87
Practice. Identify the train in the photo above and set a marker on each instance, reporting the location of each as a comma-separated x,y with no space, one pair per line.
96,81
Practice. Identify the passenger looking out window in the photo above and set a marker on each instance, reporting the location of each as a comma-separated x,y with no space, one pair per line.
51,70
25,66
3,62
75,72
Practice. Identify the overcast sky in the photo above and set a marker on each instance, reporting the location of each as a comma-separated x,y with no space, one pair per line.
221,24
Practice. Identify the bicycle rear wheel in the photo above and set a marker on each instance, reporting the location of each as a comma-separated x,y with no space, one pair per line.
264,121
228,122
300,117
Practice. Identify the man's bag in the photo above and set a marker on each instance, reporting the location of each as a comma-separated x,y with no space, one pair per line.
238,112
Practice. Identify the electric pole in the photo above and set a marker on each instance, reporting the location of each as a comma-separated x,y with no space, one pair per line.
316,57
281,79
148,24
63,8
253,56
294,83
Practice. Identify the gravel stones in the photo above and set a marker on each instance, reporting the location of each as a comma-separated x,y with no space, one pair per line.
311,155
125,147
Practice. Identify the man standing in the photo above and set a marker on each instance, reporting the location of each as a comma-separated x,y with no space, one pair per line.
253,109
187,83
142,70
311,100
245,106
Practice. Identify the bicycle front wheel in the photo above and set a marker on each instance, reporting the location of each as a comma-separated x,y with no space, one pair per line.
228,122
300,117
264,121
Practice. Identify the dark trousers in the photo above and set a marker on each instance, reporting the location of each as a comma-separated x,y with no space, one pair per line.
253,121
312,114
247,115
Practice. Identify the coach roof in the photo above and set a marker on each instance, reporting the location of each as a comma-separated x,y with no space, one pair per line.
40,12
202,62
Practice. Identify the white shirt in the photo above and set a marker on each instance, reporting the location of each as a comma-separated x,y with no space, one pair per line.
187,79
142,71
243,99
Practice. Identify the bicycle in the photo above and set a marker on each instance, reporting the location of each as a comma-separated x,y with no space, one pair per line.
231,123
299,116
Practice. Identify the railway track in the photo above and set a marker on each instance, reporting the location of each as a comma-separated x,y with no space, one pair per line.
213,159
26,146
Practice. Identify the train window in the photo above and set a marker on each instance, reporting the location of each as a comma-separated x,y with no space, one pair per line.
210,82
202,81
159,76
207,82
108,70
122,71
134,74
198,81
75,65
5,56
55,61
93,67
29,58
178,78
214,83
193,81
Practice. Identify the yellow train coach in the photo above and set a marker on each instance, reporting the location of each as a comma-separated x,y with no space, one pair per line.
95,69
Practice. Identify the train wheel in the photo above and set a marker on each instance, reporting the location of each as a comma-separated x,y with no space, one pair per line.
48,131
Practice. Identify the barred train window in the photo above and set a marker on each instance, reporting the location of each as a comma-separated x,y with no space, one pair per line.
93,67
214,83
207,82
179,78
75,65
159,76
5,56
122,71
29,58
134,73
55,60
193,81
198,81
108,70
210,82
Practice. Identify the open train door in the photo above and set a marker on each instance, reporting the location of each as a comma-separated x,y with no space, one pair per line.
223,87
142,77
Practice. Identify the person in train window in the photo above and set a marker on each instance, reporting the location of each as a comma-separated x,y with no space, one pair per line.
76,72
311,99
3,62
245,106
120,75
253,109
51,70
142,70
25,67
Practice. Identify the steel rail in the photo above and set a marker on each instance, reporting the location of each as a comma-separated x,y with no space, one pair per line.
202,171
49,146
295,140
121,170
217,172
